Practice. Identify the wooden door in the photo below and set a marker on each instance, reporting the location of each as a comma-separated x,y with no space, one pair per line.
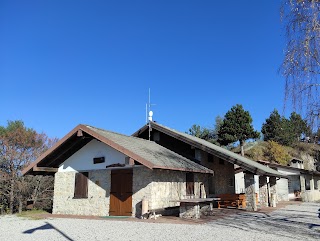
121,192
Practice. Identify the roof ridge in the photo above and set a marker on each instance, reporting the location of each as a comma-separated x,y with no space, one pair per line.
250,164
120,134
149,142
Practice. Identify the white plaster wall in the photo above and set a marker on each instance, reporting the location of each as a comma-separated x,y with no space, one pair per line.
283,189
239,182
83,159
256,184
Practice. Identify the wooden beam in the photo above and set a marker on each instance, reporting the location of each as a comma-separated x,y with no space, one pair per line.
44,169
79,133
131,161
78,140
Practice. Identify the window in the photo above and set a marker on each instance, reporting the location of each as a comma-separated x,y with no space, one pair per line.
307,183
190,183
197,154
210,158
81,185
231,182
156,136
98,160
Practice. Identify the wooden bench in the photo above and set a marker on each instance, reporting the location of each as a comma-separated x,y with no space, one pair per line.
232,200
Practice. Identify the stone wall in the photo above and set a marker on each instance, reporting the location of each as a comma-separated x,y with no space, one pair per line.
223,180
158,186
141,187
263,191
310,196
97,203
161,187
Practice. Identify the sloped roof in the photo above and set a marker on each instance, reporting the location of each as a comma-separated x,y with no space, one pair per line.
302,171
146,152
221,152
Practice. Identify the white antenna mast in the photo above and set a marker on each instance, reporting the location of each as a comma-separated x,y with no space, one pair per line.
149,114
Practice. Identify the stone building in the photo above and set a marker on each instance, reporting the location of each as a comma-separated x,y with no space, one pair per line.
103,173
299,184
218,159
98,172
296,183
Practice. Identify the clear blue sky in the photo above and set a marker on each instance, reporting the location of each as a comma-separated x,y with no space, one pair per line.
68,62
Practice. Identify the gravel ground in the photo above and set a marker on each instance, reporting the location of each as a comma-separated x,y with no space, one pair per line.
295,222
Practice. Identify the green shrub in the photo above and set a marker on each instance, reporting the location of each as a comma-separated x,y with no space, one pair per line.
276,153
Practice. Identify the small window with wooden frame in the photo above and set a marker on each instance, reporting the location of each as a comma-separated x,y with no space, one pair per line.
98,160
81,185
189,184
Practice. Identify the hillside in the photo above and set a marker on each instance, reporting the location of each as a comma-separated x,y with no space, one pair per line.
275,153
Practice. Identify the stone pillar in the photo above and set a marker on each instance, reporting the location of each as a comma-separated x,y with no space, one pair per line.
303,192
250,192
273,191
302,183
263,191
312,183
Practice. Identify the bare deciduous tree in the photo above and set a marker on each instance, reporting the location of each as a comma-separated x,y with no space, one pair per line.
19,146
301,63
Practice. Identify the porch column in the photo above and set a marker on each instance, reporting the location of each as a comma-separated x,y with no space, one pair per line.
273,191
302,183
263,191
312,183
250,192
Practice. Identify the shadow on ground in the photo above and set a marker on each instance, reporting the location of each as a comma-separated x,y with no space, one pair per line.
296,222
47,226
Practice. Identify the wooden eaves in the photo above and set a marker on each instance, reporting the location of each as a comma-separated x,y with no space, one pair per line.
182,137
79,131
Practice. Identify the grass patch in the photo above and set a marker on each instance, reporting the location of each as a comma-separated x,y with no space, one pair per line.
34,214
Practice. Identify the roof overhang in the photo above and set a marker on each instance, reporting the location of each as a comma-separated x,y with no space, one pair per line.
230,158
49,162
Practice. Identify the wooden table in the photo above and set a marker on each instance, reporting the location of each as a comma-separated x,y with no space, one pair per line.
191,207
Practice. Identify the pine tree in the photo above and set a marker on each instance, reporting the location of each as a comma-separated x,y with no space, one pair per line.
271,129
284,131
237,126
299,126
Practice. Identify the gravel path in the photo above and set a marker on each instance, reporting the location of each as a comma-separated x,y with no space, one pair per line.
295,222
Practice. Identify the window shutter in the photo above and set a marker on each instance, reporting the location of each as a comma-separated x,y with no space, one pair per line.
81,185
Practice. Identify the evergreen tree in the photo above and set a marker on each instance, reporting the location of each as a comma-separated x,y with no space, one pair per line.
237,126
200,132
284,131
299,126
286,135
271,129
208,134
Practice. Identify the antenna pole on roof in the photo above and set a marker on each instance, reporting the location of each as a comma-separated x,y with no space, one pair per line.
149,118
